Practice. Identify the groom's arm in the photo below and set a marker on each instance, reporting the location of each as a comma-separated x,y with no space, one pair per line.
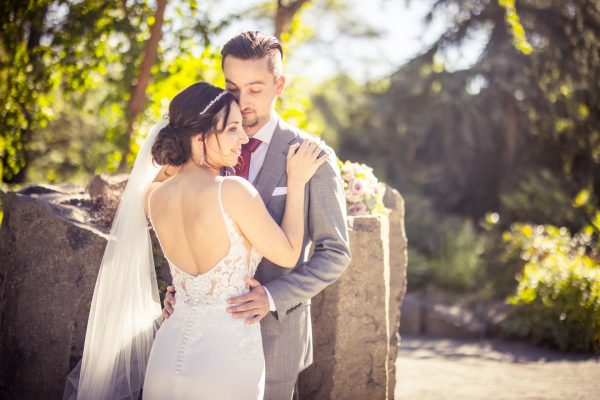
328,230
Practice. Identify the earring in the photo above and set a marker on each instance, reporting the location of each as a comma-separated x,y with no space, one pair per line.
202,155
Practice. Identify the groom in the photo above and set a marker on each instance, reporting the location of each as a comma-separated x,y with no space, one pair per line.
279,297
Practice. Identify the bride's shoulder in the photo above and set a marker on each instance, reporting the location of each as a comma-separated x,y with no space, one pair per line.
237,186
238,194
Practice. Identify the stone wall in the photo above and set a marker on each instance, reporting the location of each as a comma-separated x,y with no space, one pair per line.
51,244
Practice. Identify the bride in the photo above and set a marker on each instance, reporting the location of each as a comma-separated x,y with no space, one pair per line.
213,231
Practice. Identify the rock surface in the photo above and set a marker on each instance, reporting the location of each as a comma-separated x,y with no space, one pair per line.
350,323
49,260
398,269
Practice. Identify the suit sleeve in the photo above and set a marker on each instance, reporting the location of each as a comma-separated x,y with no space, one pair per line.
328,229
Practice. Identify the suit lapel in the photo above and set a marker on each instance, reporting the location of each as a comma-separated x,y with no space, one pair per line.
275,162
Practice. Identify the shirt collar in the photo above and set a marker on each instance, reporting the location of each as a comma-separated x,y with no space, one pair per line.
265,134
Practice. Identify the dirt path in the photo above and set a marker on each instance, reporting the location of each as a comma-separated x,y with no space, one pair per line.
432,368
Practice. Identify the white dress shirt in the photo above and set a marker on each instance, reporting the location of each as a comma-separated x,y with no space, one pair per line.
264,134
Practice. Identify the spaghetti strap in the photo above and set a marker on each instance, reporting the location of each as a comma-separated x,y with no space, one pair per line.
221,201
148,206
231,231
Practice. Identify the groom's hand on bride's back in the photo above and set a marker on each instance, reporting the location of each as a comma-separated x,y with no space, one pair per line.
169,302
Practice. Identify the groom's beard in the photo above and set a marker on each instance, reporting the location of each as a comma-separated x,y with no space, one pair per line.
249,123
252,121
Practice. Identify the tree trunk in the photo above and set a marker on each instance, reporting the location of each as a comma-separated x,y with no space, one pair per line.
285,13
138,94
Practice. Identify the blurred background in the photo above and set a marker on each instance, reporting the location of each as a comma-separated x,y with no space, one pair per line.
484,114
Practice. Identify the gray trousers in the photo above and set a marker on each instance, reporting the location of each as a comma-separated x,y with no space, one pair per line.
286,353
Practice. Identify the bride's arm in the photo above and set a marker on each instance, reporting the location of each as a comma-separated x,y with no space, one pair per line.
281,245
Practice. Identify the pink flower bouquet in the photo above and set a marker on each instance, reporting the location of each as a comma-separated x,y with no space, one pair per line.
364,193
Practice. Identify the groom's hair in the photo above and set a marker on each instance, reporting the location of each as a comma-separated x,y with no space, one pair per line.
254,45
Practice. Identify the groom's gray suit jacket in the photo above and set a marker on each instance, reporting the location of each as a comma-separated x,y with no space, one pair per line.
287,333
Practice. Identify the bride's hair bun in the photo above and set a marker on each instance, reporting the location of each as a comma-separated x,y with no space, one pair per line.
171,147
195,110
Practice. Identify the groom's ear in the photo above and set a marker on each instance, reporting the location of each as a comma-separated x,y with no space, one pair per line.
279,84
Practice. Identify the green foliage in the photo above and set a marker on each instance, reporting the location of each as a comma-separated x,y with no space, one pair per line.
65,46
512,19
82,53
558,297
72,145
445,252
462,136
457,261
541,197
24,81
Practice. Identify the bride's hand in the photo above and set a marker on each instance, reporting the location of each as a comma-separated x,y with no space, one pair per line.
303,161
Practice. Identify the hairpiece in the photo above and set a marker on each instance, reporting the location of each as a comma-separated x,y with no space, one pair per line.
213,102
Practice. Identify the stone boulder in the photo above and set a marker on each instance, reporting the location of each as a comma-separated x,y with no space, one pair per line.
49,259
398,267
351,332
106,190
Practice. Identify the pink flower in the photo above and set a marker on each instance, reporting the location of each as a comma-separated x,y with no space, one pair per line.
358,209
351,196
358,186
379,189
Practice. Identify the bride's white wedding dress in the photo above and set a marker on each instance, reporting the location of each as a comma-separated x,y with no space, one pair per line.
201,351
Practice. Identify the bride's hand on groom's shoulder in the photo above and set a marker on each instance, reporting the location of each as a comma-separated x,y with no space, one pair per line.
169,302
304,159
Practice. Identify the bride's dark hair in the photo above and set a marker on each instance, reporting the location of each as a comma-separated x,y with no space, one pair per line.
194,110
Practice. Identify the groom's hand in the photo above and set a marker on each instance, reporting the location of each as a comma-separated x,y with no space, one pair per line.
252,306
169,302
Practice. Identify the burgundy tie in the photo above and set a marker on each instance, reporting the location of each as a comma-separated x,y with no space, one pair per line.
243,166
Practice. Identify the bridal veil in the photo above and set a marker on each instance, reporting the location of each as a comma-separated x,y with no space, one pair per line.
125,310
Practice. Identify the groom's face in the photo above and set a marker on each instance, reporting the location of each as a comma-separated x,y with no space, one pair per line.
255,87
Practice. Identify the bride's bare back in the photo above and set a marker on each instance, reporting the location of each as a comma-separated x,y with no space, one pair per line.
187,219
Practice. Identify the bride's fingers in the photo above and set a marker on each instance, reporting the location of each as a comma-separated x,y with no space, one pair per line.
292,150
321,160
317,150
305,144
